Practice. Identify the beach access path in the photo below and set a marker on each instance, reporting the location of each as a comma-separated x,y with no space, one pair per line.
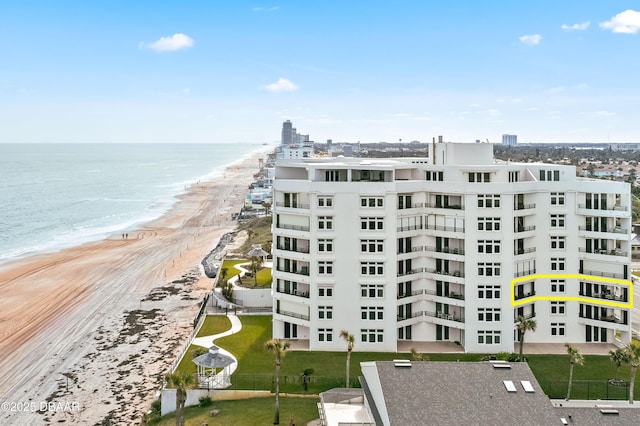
88,333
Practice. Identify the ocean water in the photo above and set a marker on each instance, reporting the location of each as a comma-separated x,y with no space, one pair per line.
59,195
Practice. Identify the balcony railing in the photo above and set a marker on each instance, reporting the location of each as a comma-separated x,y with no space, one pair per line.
520,296
602,274
292,205
616,230
606,296
599,207
409,272
444,206
524,273
449,250
409,228
293,314
445,228
451,317
294,227
452,295
525,228
525,251
409,294
609,318
298,293
521,206
302,271
525,316
603,251
449,273
295,250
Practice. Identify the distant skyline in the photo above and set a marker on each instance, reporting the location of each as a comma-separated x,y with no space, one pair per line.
369,71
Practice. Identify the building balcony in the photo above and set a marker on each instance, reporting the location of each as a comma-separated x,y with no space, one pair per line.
456,317
409,228
409,272
409,294
298,293
458,229
605,296
293,249
292,227
602,274
519,252
616,230
603,252
608,319
524,273
522,228
524,295
521,206
456,273
447,250
293,314
525,316
301,271
292,205
444,206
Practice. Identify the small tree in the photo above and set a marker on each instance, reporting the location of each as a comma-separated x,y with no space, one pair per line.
575,357
524,324
351,340
278,348
618,357
632,357
256,265
181,381
416,356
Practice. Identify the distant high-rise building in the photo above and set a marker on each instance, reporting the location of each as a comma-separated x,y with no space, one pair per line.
510,140
287,133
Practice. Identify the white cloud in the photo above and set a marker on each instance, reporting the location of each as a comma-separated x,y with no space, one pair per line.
605,113
556,89
282,85
175,42
576,27
627,22
531,39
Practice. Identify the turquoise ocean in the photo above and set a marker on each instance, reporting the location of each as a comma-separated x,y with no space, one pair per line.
54,196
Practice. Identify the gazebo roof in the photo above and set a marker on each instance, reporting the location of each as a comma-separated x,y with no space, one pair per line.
256,250
213,359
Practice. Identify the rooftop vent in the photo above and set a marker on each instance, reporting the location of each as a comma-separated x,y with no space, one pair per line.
402,363
527,386
502,365
510,386
609,411
564,421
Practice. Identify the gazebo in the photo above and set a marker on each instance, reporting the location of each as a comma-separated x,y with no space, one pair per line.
256,250
208,366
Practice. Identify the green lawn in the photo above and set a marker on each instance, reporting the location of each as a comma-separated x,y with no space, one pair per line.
264,275
214,324
249,412
230,265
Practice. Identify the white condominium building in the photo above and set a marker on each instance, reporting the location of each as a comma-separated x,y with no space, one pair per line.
453,247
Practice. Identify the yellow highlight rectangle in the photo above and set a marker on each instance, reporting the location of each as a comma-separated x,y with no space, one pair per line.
591,300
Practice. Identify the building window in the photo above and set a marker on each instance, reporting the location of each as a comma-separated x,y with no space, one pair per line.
489,200
557,263
404,201
558,308
558,242
489,337
325,222
325,268
325,201
371,202
325,334
489,292
489,269
372,268
371,223
557,221
489,246
375,291
325,245
488,314
480,177
557,198
372,312
550,175
557,328
372,246
557,286
513,176
435,176
332,175
325,312
488,224
371,336
325,291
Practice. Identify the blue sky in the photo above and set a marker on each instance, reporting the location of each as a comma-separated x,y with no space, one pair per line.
232,71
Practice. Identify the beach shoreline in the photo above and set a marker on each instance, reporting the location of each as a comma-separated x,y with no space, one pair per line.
94,328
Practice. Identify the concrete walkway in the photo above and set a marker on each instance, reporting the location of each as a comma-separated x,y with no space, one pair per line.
207,341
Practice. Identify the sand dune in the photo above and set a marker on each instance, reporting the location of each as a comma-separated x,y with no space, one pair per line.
87,334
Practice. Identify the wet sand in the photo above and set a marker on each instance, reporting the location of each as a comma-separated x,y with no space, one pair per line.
88,333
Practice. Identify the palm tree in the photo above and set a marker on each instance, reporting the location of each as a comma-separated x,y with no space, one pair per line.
618,357
278,348
524,324
181,381
632,357
256,265
575,357
350,342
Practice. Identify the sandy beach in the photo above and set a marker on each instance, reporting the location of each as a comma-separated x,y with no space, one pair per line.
88,333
